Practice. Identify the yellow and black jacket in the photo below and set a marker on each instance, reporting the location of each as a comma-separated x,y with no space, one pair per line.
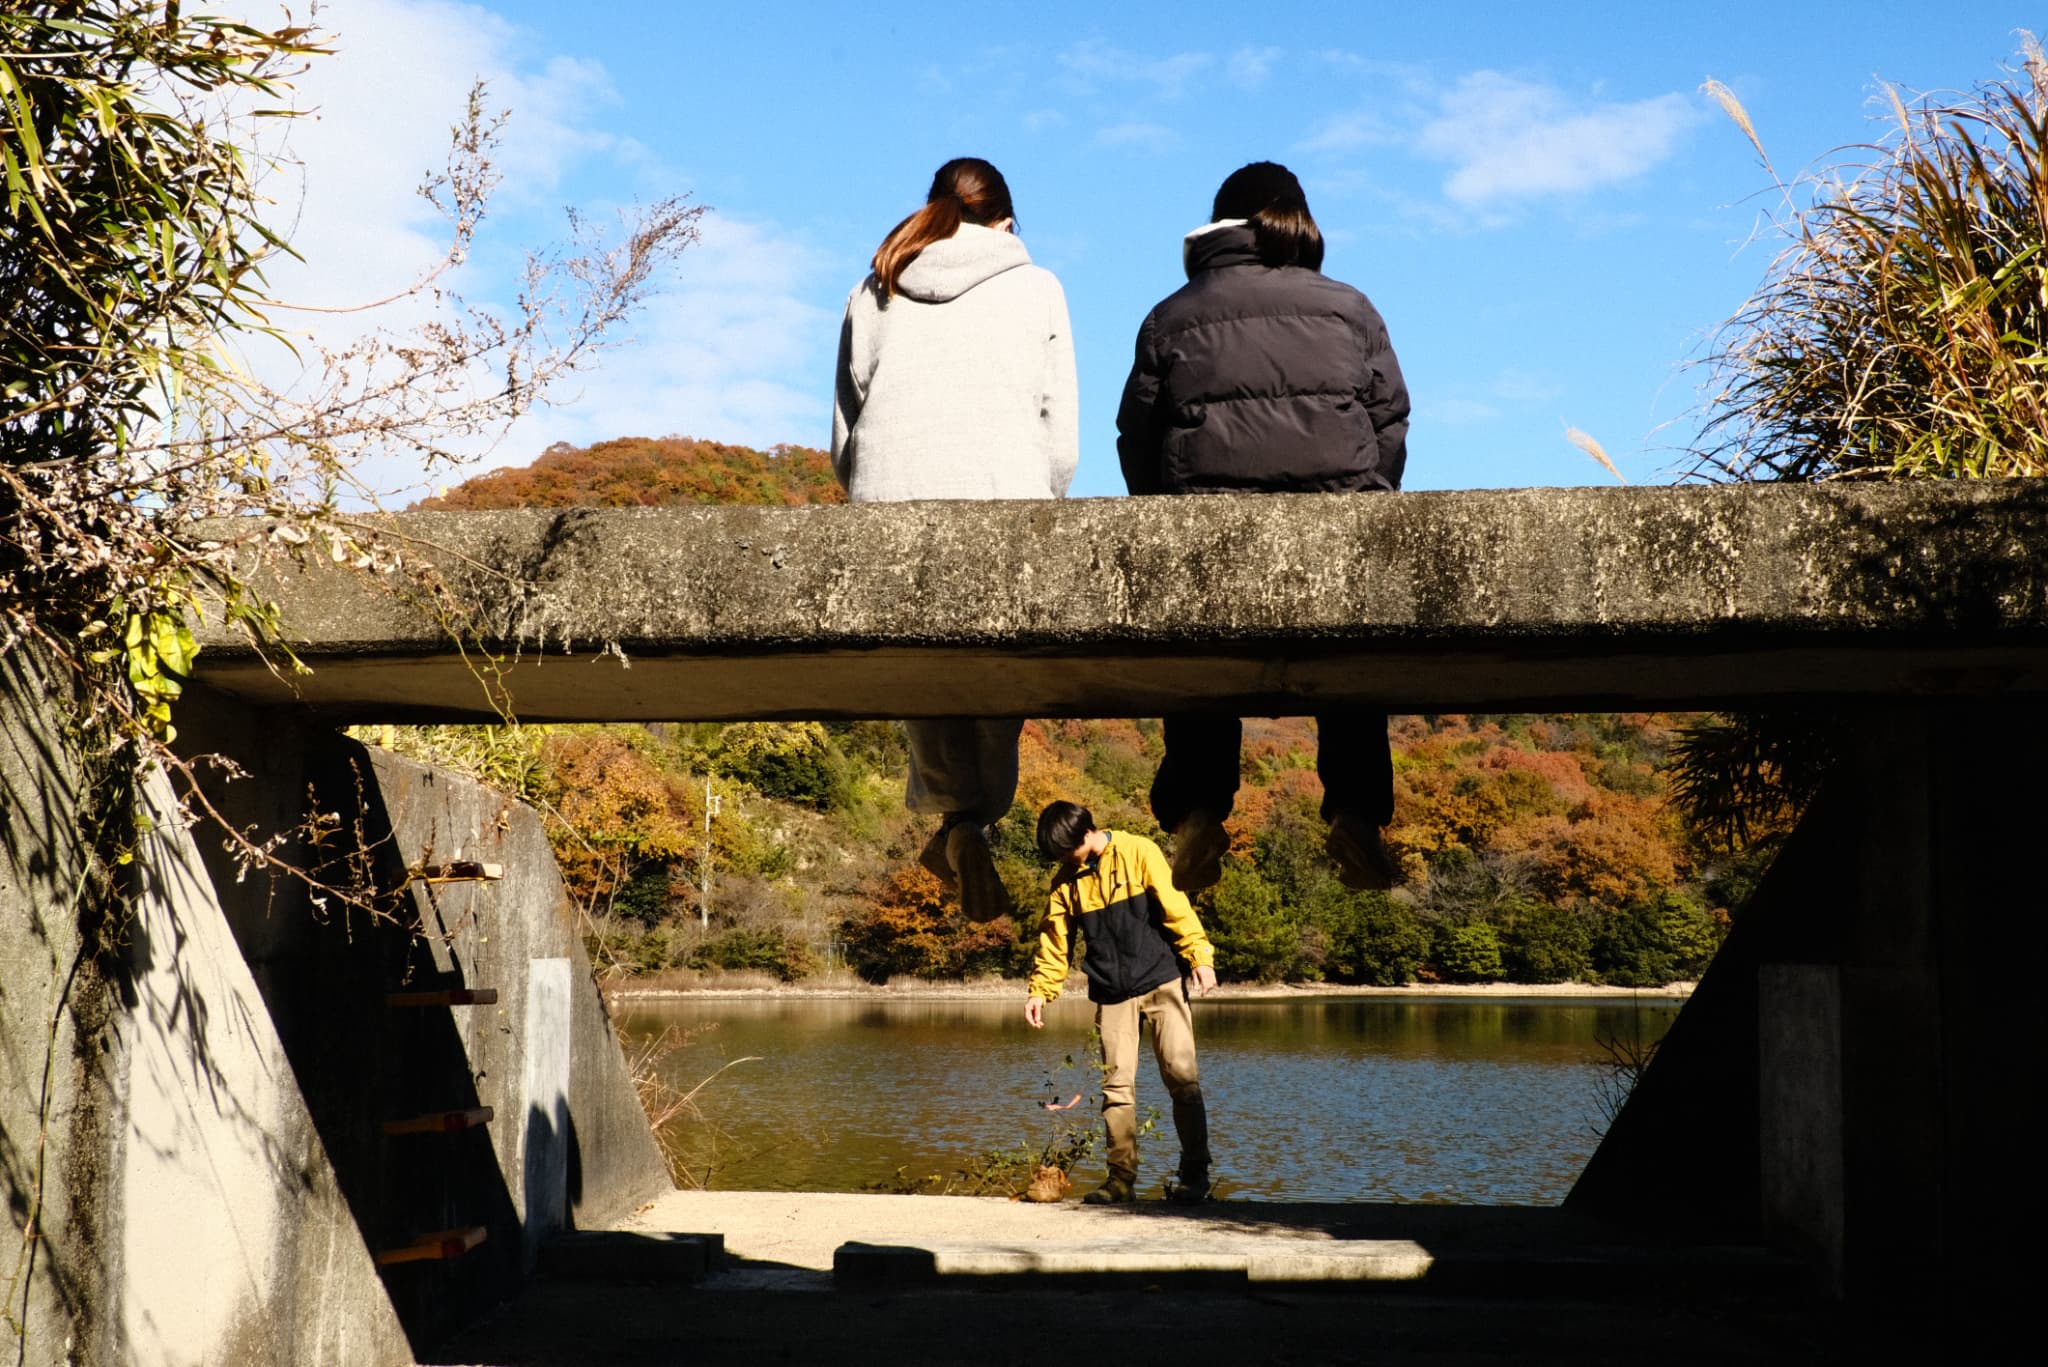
1137,930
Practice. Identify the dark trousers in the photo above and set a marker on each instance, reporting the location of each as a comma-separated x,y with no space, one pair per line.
1353,758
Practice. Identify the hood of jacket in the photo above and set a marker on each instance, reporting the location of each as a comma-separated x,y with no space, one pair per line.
954,265
1226,242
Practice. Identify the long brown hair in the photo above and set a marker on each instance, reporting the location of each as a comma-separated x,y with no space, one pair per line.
1267,195
965,190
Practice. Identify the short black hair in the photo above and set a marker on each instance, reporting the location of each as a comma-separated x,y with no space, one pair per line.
1062,826
1269,197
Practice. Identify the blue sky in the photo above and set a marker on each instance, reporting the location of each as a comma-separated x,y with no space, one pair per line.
1548,213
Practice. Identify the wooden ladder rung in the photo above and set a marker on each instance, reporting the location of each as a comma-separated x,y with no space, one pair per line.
450,996
439,1122
448,1243
458,871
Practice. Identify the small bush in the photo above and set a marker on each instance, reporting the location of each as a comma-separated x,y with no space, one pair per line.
1467,951
1541,943
1664,939
767,949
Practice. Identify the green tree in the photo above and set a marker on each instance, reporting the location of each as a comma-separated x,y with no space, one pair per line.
132,266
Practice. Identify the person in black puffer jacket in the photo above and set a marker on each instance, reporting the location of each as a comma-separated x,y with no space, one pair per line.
1262,374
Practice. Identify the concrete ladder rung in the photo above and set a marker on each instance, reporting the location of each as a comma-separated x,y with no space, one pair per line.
452,996
447,1243
440,1122
458,871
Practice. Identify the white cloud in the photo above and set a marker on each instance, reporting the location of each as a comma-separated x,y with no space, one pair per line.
1250,66
707,357
1508,139
1042,120
1459,412
1137,133
1515,385
1348,133
1093,62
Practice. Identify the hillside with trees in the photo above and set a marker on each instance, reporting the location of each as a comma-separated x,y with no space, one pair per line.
651,472
1537,848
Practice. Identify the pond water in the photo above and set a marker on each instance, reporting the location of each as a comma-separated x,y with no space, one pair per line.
1489,1102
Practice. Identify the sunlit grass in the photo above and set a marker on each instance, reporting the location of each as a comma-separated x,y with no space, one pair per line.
1902,330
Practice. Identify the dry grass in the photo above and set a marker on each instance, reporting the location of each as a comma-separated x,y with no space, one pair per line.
1585,442
669,1108
1902,330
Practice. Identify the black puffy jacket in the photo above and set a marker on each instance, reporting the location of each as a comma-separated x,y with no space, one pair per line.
1254,377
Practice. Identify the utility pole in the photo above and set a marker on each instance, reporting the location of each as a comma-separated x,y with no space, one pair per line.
712,802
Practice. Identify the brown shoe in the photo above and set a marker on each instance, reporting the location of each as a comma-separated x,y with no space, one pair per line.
1363,863
982,894
1198,846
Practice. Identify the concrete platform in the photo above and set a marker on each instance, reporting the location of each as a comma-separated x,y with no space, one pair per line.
901,1279
810,1240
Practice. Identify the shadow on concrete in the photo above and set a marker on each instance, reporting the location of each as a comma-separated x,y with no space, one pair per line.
324,972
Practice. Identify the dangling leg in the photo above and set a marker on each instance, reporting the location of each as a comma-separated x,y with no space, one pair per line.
1356,764
966,771
1194,791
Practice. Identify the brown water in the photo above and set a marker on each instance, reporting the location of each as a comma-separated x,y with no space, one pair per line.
1494,1102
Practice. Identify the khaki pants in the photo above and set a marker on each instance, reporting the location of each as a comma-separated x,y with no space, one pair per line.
1173,1044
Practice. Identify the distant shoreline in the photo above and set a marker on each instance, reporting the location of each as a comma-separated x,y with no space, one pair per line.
995,989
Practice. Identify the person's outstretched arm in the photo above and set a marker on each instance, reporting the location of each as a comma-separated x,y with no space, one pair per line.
1049,967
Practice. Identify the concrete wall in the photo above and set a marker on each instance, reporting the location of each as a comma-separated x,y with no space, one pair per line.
1854,1071
187,1207
192,1095
568,1145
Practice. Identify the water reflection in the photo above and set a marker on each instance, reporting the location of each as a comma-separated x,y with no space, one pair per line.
1488,1102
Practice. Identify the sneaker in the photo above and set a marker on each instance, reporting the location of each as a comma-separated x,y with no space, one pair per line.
1363,863
982,894
1188,1190
933,858
1198,846
1116,1191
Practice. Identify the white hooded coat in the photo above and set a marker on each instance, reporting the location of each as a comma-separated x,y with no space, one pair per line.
962,386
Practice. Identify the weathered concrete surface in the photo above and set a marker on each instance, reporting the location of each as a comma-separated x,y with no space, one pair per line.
58,1110
1499,599
233,1238
1852,1069
186,1209
1495,1285
577,1151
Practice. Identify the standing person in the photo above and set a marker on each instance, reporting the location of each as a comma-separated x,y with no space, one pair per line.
1262,374
1142,945
956,380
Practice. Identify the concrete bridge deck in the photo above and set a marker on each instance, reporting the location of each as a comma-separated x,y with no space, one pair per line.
1494,600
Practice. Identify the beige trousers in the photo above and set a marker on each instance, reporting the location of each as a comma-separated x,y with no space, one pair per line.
1173,1044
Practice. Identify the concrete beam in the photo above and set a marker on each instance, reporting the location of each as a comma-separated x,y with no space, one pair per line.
1501,599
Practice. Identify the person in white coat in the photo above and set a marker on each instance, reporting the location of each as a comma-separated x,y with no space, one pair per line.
956,380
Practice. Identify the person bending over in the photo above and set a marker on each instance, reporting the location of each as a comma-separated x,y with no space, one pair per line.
1142,947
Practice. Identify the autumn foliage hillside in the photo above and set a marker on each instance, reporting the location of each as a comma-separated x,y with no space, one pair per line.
1537,848
652,472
